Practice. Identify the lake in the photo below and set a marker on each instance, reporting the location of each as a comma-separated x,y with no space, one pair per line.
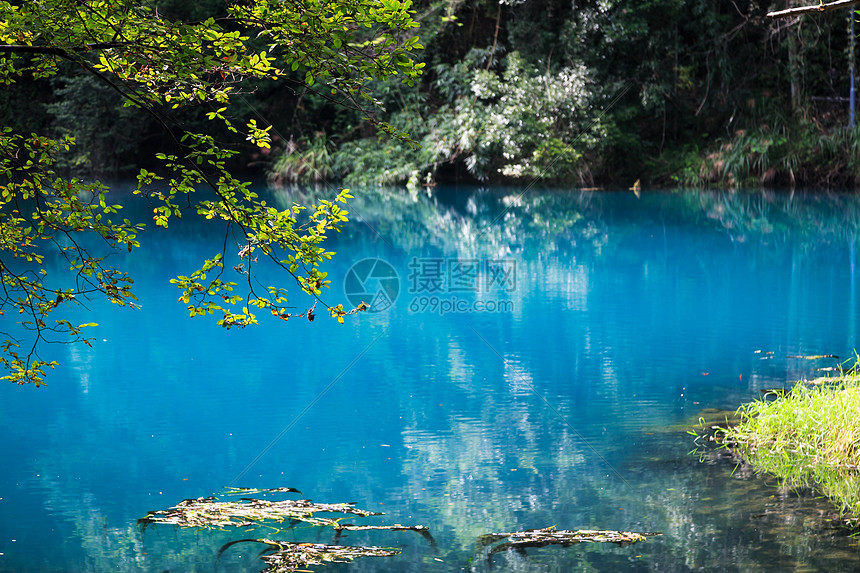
531,358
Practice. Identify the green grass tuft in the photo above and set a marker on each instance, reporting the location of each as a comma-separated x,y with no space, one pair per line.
807,438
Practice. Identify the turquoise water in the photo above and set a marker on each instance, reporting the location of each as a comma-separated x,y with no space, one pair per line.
530,360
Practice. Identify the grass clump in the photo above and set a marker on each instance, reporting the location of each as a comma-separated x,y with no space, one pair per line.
808,438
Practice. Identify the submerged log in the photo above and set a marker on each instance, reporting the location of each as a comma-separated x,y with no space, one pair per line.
289,556
520,540
209,512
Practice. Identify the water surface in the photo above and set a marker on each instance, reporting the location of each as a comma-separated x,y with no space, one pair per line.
614,321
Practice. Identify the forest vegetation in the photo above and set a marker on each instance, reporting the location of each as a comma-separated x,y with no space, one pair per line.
669,92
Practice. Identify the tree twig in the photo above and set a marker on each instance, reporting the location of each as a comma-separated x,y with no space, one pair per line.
810,9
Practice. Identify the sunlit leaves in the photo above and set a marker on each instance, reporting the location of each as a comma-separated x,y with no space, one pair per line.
41,208
23,370
257,136
157,64
276,234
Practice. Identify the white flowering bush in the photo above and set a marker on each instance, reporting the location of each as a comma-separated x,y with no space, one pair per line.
520,123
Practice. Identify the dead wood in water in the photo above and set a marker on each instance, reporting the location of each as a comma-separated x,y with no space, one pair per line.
289,557
209,512
520,540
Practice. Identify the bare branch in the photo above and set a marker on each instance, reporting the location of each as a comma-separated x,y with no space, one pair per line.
811,9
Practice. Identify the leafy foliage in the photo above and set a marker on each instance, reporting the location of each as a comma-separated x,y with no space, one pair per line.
667,83
521,123
161,67
800,154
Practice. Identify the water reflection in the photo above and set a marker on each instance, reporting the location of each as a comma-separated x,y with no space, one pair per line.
629,315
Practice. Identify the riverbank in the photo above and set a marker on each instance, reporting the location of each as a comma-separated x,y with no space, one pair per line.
796,154
808,437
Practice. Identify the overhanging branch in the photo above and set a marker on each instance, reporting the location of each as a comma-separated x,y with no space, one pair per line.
24,49
811,9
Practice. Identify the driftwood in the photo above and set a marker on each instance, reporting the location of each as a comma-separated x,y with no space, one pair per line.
812,9
209,512
422,530
520,540
280,556
288,557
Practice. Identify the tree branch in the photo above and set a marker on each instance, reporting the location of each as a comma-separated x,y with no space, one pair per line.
810,9
23,49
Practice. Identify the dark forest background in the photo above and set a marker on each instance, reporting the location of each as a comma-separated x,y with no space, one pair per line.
607,92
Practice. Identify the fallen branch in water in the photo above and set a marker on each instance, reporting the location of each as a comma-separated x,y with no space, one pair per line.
208,512
550,536
289,556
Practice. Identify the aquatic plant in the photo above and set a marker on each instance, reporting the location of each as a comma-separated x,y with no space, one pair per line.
283,556
808,437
